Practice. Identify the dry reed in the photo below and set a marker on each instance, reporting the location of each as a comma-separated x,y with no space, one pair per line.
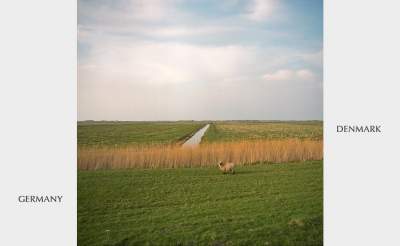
172,156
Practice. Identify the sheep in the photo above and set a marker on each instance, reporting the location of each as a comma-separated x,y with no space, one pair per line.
226,167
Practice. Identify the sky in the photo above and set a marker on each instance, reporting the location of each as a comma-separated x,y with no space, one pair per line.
200,60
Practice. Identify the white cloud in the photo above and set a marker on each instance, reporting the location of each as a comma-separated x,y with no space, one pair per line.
142,19
304,75
164,63
88,34
260,10
313,58
153,60
183,31
125,13
151,10
290,75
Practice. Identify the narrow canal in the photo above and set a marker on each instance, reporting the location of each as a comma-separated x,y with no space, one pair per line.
195,140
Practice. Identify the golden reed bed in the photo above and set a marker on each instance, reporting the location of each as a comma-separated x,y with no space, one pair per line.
164,156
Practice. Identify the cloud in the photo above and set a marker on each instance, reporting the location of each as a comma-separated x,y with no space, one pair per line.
313,58
91,34
126,12
260,10
151,10
185,31
290,75
171,59
165,63
143,19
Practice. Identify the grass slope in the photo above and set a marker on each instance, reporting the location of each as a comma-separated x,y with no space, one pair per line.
245,130
125,133
278,204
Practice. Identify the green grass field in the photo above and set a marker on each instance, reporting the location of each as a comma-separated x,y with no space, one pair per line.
245,130
126,133
277,204
97,133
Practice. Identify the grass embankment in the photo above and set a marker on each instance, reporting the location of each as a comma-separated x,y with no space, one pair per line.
259,205
103,134
257,130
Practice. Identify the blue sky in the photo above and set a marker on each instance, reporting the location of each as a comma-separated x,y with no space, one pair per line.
200,59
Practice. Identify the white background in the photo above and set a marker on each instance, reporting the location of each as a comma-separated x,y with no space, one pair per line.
38,121
361,86
38,104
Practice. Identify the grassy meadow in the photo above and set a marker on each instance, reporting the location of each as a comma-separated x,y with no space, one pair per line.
278,204
103,134
137,185
256,130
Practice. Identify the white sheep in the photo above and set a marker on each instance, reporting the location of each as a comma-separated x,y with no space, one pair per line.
226,167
